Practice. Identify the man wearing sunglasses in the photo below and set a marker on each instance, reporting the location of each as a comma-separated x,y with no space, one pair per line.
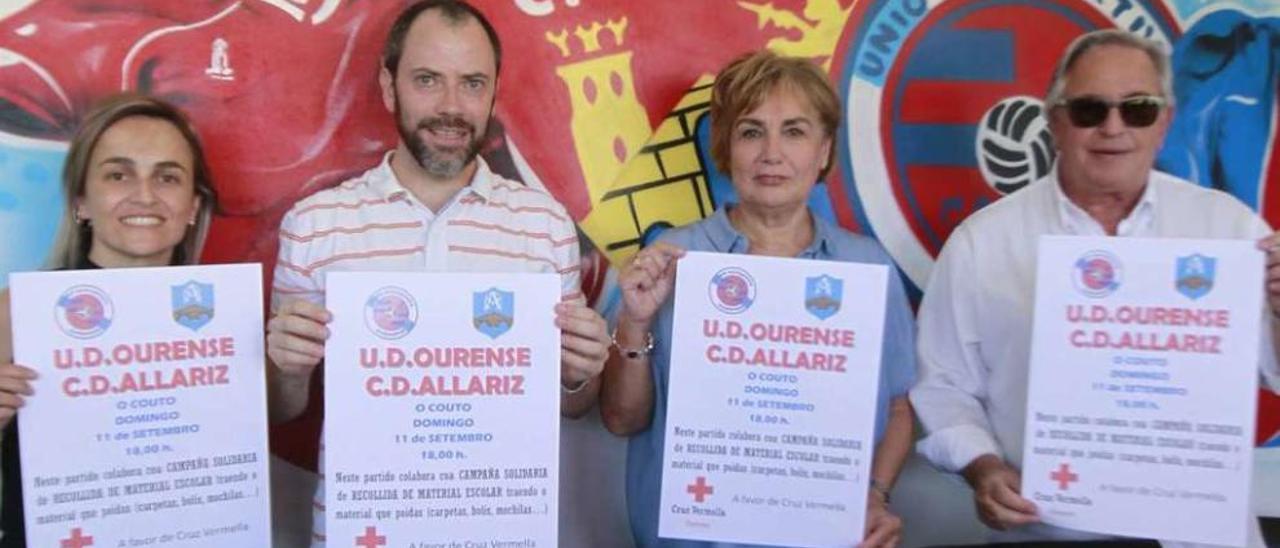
1108,107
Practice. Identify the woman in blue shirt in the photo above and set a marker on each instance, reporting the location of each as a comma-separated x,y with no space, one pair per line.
773,123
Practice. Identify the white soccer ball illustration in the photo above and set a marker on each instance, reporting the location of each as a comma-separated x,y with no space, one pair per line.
1013,144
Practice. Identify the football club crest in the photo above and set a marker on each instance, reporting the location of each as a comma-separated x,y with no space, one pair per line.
732,290
84,312
494,311
1194,275
390,313
942,106
1097,274
822,295
192,304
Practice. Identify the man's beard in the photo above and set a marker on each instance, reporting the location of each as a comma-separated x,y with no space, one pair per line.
439,163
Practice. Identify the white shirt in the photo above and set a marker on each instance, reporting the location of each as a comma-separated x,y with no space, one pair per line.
974,342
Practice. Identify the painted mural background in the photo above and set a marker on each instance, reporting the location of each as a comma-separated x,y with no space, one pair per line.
603,103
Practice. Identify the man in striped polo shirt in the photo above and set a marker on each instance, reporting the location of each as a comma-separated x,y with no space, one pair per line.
431,205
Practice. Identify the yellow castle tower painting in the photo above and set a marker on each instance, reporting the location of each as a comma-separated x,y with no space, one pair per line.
608,123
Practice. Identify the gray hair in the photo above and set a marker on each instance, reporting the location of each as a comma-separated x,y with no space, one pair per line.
1111,37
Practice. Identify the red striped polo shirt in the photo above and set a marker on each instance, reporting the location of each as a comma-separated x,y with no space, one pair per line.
372,223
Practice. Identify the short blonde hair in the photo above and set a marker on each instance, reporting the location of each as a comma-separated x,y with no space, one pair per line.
71,247
745,83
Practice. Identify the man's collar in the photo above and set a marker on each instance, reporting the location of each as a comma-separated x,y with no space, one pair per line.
482,180
385,183
1069,212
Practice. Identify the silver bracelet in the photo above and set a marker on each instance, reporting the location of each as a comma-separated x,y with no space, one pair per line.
633,353
577,388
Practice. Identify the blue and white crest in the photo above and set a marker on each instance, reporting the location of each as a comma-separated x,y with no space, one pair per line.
1194,276
822,295
494,311
192,304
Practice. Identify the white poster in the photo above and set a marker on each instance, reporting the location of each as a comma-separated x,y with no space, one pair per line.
442,403
775,366
1143,388
148,425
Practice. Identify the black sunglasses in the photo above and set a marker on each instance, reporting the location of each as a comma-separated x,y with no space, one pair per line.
1136,111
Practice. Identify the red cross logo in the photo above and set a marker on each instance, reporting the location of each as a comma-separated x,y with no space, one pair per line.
77,540
699,489
1064,476
371,538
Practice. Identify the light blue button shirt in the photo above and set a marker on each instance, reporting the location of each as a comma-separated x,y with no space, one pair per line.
830,243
